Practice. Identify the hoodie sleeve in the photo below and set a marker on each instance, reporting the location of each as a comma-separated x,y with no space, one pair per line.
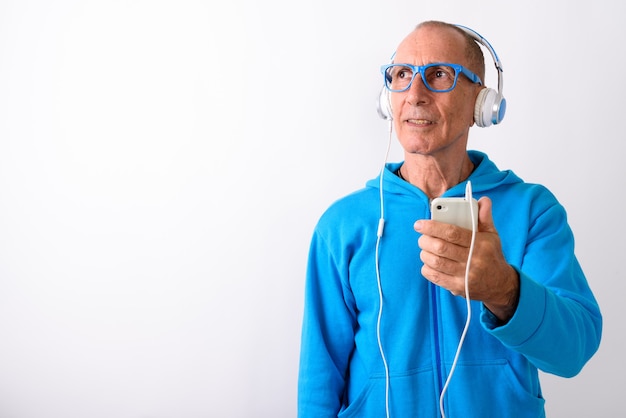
557,324
327,335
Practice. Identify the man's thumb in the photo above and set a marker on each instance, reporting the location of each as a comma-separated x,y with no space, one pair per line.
485,218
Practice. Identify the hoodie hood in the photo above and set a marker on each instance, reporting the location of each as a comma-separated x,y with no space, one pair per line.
486,176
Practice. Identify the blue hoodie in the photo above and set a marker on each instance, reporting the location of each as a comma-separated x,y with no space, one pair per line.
556,327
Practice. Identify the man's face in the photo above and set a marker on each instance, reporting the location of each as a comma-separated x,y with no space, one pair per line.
427,122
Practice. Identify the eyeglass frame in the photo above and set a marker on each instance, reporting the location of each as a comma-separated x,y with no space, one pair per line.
458,69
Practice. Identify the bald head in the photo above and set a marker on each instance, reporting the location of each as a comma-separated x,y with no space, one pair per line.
472,53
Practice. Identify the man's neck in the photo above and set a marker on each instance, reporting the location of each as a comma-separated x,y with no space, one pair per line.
434,176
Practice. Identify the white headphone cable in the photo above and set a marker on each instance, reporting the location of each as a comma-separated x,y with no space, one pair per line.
379,234
468,197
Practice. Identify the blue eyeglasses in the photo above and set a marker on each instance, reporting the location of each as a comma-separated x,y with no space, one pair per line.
439,77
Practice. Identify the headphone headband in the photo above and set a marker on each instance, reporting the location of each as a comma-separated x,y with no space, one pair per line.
480,39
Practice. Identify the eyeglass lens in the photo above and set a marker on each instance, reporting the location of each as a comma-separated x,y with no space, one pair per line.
437,77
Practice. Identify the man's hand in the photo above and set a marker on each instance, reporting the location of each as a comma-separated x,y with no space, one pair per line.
491,279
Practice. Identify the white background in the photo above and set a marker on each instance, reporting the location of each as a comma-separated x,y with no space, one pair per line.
163,163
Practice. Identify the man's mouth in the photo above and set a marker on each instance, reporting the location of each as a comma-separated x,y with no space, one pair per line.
420,121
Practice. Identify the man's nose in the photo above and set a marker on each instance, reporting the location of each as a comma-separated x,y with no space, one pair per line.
417,92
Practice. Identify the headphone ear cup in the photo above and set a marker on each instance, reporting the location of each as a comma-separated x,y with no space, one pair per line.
486,110
483,109
384,105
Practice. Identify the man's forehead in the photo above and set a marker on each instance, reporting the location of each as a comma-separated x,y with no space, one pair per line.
432,44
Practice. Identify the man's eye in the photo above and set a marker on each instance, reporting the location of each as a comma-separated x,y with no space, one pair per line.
440,73
404,73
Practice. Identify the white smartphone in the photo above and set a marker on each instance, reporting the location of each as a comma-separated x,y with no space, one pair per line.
454,210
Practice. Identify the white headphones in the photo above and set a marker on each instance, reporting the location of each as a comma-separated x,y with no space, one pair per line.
490,105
